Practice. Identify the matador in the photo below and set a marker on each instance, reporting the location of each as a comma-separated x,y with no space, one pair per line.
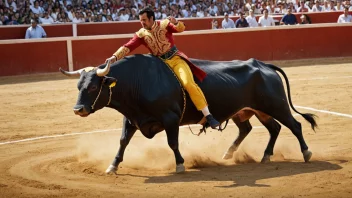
157,36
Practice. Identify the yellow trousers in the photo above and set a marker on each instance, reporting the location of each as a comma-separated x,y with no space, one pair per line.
184,74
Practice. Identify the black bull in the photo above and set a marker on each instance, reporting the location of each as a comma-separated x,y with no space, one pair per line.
151,99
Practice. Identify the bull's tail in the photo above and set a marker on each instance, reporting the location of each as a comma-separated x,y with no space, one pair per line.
307,116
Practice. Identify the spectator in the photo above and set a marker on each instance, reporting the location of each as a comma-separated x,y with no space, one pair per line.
36,9
348,4
332,5
227,22
200,13
317,7
303,7
241,22
345,17
213,9
214,24
338,6
266,20
289,18
305,19
326,6
280,8
46,19
252,21
77,18
35,31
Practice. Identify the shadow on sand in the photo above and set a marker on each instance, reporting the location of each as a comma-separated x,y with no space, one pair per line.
245,174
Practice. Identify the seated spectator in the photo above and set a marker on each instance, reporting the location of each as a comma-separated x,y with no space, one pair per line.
345,17
326,7
332,5
123,16
339,6
252,21
280,9
305,19
241,22
303,7
36,9
35,31
348,4
316,7
46,19
200,13
78,18
289,18
12,20
214,24
227,22
293,7
213,9
266,20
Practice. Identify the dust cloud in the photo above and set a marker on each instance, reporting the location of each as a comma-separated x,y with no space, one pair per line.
197,151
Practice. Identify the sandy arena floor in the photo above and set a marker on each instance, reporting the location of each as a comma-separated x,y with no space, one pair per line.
73,166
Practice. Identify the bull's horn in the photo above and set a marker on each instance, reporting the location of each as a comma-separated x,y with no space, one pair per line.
105,71
76,73
73,73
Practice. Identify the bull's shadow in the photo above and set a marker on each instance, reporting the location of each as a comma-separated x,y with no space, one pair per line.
246,174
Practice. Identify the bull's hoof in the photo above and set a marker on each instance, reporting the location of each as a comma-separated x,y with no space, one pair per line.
227,156
265,159
307,155
111,170
180,168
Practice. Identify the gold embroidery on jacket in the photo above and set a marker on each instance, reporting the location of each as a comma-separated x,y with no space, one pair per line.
121,52
180,27
164,23
156,38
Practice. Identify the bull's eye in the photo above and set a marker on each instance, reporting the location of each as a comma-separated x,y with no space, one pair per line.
93,88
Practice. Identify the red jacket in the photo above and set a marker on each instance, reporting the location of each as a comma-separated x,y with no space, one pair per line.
158,41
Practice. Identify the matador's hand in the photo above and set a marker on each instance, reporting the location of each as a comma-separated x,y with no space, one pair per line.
112,59
172,19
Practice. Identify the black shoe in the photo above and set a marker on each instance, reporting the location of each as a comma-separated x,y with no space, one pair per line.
212,122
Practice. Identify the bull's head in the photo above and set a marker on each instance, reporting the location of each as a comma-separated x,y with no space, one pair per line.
94,89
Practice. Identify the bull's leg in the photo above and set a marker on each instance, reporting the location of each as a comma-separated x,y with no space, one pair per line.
128,131
244,129
274,129
290,122
172,132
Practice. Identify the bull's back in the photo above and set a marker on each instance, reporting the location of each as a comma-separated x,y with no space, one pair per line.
147,81
228,87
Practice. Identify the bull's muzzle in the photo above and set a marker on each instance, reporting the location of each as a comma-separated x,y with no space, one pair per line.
80,110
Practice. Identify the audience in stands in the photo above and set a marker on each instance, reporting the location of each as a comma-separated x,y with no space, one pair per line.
13,12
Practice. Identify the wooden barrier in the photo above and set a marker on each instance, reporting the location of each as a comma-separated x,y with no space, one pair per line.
112,28
32,57
19,32
266,44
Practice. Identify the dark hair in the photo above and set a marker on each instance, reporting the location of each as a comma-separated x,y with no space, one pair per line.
149,11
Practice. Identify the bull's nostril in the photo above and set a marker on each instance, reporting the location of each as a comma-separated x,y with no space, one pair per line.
78,109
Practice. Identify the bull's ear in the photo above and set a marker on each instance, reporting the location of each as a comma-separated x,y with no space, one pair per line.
109,81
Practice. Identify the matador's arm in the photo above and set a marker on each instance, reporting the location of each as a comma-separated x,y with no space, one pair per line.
128,47
176,28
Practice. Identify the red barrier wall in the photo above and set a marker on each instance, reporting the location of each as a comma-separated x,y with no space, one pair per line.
19,32
95,52
86,29
266,44
271,44
32,57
